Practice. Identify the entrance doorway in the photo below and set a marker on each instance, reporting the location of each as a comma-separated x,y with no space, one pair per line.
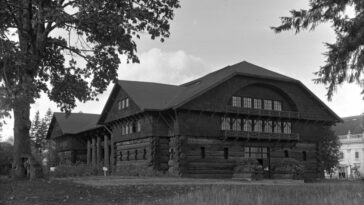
261,154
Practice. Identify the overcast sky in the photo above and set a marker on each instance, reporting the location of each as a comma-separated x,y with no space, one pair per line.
207,35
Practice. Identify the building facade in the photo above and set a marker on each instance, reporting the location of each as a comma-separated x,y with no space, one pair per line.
351,136
203,128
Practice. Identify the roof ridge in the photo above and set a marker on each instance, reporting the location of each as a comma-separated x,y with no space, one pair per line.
148,82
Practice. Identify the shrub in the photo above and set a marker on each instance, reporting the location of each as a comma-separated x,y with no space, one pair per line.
288,166
75,170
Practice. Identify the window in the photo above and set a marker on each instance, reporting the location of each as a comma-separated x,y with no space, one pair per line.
122,104
247,102
257,104
122,130
226,153
236,101
268,126
126,102
304,156
258,126
356,155
277,127
119,105
203,154
287,127
267,105
225,123
139,126
237,124
127,155
144,154
134,127
286,155
247,125
256,152
136,154
341,156
278,105
121,156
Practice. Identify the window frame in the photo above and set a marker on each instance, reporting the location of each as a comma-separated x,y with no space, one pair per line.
247,102
275,105
236,101
264,104
256,102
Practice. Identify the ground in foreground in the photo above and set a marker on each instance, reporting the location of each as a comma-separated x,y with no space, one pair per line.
67,192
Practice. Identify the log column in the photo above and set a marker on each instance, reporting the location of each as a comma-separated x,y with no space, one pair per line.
98,150
93,151
88,152
106,151
112,154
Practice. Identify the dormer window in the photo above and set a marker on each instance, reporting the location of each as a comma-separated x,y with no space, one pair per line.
277,105
124,103
257,104
267,105
236,101
247,102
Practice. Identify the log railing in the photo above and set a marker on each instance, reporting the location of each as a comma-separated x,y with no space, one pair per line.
261,135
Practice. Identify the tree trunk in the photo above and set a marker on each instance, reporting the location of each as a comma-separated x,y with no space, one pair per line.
22,124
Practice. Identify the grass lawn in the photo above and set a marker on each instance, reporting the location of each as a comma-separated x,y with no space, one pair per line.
66,192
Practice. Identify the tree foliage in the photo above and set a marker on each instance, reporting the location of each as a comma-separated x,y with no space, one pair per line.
38,131
42,42
345,57
328,151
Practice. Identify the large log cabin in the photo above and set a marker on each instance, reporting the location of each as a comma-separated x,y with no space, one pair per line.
203,127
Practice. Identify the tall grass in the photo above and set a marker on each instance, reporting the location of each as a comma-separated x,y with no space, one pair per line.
305,194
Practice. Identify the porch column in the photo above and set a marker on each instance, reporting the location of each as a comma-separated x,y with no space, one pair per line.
112,154
98,149
106,151
93,151
88,152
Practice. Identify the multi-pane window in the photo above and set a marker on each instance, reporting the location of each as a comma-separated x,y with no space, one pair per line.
119,104
122,104
225,123
267,105
356,155
277,127
237,124
247,125
258,125
131,130
257,104
126,102
268,126
287,127
236,101
247,102
256,152
126,129
139,126
278,105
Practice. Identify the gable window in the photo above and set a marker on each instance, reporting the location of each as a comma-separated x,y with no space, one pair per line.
278,105
277,127
257,104
237,124
126,102
287,127
236,101
258,126
122,104
267,105
139,126
119,105
225,123
268,125
247,125
247,102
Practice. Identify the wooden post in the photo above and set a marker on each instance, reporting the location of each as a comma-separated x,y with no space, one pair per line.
106,152
112,154
88,152
98,149
93,151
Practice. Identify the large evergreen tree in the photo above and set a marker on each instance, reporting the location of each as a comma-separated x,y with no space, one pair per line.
35,36
345,57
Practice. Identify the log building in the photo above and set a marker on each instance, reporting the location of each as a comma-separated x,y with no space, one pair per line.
203,127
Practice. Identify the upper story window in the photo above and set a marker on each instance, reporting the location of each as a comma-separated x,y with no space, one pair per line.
277,127
277,105
247,102
236,101
356,155
268,126
287,127
268,105
248,125
237,124
126,102
119,104
225,123
257,104
139,126
258,126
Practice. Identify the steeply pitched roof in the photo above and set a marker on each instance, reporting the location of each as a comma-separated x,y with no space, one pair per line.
354,123
75,123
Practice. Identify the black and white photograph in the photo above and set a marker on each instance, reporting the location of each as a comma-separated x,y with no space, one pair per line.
181,102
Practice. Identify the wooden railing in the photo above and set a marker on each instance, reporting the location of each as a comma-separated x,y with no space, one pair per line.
261,135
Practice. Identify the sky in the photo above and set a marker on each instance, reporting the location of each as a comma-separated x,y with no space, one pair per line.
207,35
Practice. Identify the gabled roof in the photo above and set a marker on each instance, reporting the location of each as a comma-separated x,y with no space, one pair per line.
354,123
156,96
75,123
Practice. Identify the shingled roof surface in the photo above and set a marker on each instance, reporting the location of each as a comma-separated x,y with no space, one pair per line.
354,123
76,122
156,96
